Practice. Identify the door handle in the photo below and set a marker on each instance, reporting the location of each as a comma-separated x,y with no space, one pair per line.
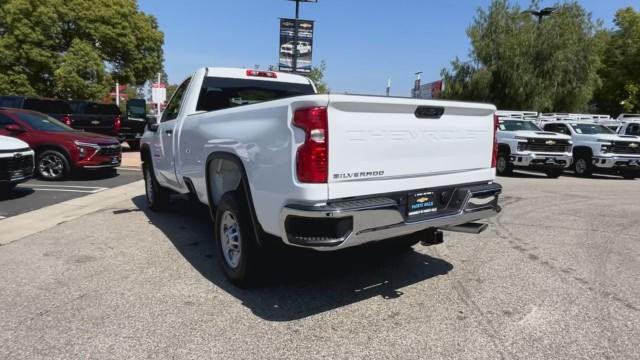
169,132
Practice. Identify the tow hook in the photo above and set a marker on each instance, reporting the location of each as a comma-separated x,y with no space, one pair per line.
432,237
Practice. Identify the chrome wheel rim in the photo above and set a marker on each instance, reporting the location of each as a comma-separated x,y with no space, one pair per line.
148,185
230,239
51,167
581,166
502,164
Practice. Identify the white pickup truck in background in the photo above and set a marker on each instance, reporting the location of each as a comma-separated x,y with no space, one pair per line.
277,162
522,144
597,149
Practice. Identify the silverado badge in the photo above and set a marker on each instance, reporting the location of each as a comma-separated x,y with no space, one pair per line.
550,142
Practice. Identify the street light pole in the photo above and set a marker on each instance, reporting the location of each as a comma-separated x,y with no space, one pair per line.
294,61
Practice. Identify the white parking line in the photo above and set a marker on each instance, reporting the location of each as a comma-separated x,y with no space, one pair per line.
69,190
65,188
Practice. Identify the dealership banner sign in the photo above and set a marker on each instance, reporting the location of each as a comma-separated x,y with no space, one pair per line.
304,48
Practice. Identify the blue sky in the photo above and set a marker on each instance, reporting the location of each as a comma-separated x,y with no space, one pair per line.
363,42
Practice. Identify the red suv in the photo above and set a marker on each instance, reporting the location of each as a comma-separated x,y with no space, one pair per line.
59,148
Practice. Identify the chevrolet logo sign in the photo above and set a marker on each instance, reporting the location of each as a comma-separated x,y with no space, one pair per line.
422,200
550,142
633,145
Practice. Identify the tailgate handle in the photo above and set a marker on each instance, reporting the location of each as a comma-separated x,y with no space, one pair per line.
429,112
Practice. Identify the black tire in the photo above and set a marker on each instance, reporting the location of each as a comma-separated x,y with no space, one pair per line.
134,144
629,175
582,165
554,173
157,196
7,188
235,239
503,166
52,165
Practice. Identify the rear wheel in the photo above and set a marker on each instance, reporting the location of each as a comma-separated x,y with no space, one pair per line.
235,239
503,166
52,165
157,196
554,173
583,166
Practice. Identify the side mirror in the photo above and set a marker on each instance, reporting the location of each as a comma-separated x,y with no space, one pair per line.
152,126
14,128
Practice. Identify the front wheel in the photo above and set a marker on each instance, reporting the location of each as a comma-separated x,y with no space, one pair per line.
583,166
503,166
629,175
554,173
7,188
52,165
235,239
157,196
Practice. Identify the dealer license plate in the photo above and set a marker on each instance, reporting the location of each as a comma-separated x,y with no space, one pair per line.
422,203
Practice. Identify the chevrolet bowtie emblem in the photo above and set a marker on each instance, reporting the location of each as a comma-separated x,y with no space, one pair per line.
422,200
550,142
633,145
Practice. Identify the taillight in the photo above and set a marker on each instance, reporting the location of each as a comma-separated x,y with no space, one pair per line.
67,120
494,156
117,123
312,160
260,73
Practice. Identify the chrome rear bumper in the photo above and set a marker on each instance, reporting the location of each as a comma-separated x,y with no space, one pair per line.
355,222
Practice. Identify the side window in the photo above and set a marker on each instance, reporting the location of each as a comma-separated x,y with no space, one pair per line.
562,129
5,120
633,129
551,127
173,108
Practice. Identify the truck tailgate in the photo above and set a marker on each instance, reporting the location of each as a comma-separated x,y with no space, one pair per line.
382,144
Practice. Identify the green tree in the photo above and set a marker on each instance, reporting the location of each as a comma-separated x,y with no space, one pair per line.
518,63
317,76
53,47
621,72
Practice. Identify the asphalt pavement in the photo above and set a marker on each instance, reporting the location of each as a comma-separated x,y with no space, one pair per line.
35,194
554,277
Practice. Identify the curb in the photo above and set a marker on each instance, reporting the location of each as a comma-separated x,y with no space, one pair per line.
23,225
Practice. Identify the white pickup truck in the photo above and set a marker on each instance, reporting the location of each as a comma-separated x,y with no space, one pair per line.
629,126
277,162
596,148
522,144
16,162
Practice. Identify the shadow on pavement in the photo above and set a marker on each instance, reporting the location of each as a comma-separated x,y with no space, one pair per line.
16,193
297,283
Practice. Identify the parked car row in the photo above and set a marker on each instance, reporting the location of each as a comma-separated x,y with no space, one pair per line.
105,119
33,142
554,142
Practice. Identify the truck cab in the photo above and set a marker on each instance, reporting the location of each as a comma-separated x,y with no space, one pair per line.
523,145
